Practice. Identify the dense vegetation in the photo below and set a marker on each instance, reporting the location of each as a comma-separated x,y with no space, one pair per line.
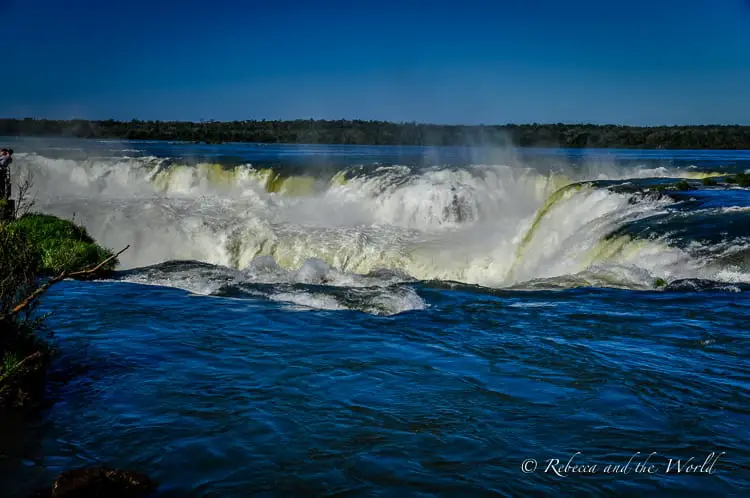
22,355
30,247
61,244
386,133
36,245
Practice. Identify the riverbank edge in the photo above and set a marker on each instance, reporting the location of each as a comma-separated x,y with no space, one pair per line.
37,251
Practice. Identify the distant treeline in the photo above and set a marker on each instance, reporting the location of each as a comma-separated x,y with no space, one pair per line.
386,133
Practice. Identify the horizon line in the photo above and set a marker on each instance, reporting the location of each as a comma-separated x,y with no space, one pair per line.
379,121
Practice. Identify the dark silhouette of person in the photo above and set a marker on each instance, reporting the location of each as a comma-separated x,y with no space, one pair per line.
6,157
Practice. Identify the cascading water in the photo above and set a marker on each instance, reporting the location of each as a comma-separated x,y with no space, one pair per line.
333,320
491,225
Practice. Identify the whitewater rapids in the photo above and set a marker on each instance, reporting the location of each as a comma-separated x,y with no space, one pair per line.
363,226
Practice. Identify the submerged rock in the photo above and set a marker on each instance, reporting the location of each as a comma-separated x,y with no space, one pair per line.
703,285
100,482
639,193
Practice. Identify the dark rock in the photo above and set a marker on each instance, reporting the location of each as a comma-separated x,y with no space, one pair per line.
646,196
100,482
682,185
702,285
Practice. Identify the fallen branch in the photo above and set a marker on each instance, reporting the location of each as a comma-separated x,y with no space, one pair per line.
97,267
62,276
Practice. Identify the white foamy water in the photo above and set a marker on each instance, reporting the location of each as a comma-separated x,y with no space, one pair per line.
490,225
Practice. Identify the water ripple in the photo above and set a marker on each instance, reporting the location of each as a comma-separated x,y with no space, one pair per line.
223,397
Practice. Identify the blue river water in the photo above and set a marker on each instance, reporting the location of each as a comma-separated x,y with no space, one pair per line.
480,328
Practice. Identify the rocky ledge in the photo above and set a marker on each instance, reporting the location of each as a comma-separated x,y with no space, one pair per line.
101,482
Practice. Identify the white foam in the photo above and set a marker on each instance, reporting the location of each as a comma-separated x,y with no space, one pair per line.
479,225
306,301
383,302
533,305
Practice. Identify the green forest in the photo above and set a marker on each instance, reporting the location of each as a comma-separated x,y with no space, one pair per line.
360,132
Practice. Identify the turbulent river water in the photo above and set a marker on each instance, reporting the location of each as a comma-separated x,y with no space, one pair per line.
383,321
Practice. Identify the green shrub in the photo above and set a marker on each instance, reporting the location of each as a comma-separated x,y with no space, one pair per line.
20,262
9,365
709,181
62,245
22,355
682,185
71,255
45,227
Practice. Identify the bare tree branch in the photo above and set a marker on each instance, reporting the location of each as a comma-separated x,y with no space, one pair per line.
62,276
25,204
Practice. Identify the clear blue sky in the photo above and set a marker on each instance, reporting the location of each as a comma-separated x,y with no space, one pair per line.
468,61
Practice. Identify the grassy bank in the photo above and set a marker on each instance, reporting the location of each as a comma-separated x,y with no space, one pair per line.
61,244
36,251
